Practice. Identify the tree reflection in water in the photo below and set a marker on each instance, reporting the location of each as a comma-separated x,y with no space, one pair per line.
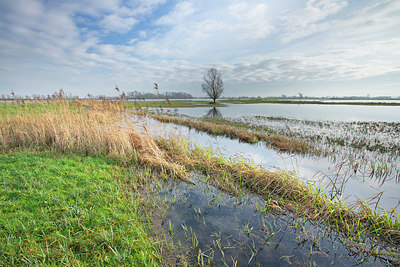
214,113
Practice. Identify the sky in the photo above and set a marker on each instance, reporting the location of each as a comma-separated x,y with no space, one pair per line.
262,48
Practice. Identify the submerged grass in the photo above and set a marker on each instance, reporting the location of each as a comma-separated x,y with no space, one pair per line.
366,230
275,141
70,210
370,149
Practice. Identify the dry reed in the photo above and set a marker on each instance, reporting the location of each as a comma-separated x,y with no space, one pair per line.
101,128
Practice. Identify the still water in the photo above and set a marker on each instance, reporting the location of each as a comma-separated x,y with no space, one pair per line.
304,112
223,230
353,186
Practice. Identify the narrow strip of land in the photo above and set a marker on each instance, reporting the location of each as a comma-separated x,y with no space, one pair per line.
223,102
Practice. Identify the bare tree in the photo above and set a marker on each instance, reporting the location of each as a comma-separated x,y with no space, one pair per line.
213,85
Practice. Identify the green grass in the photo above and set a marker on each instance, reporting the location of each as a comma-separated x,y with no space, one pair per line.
70,210
27,109
172,104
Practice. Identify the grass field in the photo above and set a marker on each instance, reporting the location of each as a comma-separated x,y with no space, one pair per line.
70,210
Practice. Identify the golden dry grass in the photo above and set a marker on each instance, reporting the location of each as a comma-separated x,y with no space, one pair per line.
100,128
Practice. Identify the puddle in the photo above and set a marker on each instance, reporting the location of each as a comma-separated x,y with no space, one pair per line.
224,230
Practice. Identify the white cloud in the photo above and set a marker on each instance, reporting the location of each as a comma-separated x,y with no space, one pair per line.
309,20
181,11
116,23
252,20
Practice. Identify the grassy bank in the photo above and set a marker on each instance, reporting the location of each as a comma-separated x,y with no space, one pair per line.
70,210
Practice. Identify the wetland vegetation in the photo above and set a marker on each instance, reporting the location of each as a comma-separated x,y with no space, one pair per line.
103,189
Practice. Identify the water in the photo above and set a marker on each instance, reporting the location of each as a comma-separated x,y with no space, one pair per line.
304,112
311,169
221,229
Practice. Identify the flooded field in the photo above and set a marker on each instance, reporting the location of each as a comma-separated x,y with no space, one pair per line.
337,175
357,160
304,112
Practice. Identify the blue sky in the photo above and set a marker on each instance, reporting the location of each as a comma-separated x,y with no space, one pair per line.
262,48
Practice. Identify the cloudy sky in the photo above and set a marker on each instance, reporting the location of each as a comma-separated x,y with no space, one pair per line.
262,48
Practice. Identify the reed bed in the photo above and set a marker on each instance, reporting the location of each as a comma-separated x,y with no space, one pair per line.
85,126
275,141
367,231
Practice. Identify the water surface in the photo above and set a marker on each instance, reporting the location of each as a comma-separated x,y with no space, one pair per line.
351,186
222,229
304,112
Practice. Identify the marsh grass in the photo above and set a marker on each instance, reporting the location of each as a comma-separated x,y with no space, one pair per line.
275,141
366,230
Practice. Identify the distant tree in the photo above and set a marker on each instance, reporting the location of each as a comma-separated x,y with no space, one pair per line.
213,85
